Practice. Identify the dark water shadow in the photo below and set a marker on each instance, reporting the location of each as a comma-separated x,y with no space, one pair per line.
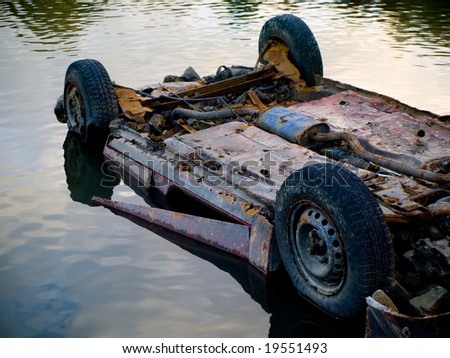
55,24
291,315
241,9
86,174
415,22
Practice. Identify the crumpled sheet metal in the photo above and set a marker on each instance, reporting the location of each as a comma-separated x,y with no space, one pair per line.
130,103
381,322
392,193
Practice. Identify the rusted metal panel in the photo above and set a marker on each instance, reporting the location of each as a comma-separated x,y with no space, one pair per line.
389,163
379,122
263,252
229,237
213,191
249,158
392,193
130,103
382,322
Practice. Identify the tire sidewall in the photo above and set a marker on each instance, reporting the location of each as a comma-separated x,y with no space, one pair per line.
349,300
100,106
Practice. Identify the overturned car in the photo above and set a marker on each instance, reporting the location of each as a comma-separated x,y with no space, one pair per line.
348,189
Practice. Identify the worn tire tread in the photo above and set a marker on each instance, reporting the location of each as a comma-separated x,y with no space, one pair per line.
97,91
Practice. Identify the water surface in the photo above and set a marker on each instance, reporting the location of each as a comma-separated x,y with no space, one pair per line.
71,270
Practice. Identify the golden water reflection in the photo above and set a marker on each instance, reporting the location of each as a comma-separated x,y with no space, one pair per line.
61,24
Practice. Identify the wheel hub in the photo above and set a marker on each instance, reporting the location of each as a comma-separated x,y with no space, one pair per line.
317,248
76,117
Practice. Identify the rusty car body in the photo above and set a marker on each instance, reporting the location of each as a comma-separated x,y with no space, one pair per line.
346,188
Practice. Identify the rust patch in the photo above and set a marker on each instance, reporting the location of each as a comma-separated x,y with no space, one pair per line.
228,198
186,127
249,209
255,100
176,215
389,200
264,247
130,103
277,56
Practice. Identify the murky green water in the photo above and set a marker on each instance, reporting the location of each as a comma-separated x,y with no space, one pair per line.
68,269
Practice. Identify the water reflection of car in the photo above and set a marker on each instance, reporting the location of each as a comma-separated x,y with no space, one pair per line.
294,169
86,174
291,315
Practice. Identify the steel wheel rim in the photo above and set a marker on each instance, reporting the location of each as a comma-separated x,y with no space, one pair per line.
317,248
76,114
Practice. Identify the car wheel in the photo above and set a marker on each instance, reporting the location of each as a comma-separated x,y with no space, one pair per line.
304,51
89,100
333,239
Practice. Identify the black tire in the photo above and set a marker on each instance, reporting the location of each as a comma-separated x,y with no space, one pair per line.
303,48
333,239
89,101
59,110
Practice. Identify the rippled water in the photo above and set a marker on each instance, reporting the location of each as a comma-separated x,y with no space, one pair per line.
68,269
